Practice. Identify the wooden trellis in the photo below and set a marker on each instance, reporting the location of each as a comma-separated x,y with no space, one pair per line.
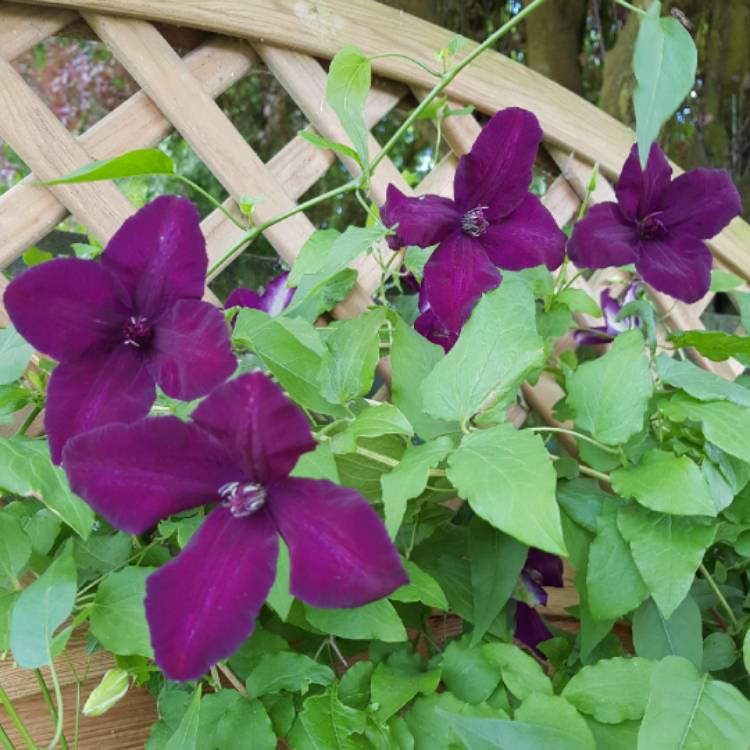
291,38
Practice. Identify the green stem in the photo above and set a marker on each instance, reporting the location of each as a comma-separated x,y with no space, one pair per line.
379,457
589,472
411,59
59,700
722,599
217,204
16,719
251,234
32,415
577,435
50,705
450,75
7,744
632,7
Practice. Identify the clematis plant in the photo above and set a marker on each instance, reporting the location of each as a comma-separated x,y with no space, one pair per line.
540,569
612,327
273,300
125,324
659,224
236,453
492,222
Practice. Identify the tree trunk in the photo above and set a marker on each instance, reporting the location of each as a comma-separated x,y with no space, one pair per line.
554,36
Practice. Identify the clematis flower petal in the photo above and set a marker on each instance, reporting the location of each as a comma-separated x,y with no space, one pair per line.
423,221
203,604
700,203
67,306
159,254
107,387
639,192
530,628
429,326
191,352
274,300
603,238
137,474
455,276
525,238
678,265
544,567
259,426
339,550
497,172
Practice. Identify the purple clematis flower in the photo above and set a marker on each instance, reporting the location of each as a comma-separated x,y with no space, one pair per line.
237,452
612,327
659,224
541,569
120,326
274,300
493,220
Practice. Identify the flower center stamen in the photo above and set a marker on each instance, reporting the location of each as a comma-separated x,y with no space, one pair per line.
651,227
137,331
474,223
242,498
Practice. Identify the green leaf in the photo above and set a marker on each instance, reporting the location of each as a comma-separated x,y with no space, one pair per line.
690,711
667,551
186,734
244,725
15,354
723,281
138,162
26,469
610,394
111,689
289,358
508,478
324,143
576,300
666,483
496,351
681,635
415,259
622,736
665,61
119,599
40,609
348,367
543,721
374,420
468,673
521,673
746,651
287,671
612,690
613,582
715,345
422,587
15,550
725,425
377,620
34,256
7,601
317,294
413,357
347,88
496,563
700,383
409,479
398,681
354,688
327,252
280,598
325,723
719,652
